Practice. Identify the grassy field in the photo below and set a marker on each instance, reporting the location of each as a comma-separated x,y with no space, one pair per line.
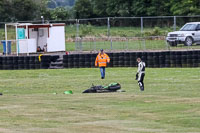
169,104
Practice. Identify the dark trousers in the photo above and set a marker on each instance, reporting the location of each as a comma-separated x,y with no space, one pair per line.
140,81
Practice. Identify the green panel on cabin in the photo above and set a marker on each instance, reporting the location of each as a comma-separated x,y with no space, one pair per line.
21,33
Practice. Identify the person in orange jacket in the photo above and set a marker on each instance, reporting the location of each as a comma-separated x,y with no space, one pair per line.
101,60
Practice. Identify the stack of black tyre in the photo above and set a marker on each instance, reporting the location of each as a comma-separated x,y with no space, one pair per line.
7,63
1,61
45,62
93,58
120,59
162,59
79,60
133,58
115,60
195,58
128,59
65,61
19,62
111,61
150,59
166,61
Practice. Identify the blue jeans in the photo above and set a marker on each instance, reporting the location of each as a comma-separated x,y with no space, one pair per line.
102,70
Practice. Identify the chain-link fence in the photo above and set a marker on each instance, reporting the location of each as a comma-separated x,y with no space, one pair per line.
114,33
129,33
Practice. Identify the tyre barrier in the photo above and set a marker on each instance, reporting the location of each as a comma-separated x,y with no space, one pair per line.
121,59
45,61
23,62
128,59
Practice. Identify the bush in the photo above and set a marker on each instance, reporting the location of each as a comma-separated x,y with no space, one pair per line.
86,30
155,32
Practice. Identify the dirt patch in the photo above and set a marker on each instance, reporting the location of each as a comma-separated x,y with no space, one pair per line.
115,38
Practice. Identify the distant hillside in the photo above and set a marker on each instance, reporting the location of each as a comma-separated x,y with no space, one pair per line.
61,3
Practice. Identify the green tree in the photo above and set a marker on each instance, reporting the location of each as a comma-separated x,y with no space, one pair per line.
24,9
140,7
159,8
59,13
118,8
185,7
83,9
43,10
97,6
5,12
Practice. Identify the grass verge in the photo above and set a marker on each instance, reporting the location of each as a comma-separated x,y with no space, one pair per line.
169,104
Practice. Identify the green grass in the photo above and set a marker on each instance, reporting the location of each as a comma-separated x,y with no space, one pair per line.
120,45
169,104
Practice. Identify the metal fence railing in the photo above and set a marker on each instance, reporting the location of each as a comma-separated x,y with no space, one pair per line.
125,43
115,33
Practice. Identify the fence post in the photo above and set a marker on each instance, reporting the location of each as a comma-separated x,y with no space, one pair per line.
174,23
77,33
17,41
126,43
81,48
144,40
108,24
6,38
42,17
141,25
94,40
167,45
142,28
111,43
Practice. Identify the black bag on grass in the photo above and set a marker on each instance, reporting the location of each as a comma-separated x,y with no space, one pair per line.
113,87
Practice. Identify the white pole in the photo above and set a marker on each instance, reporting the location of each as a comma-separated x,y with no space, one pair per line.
27,38
108,27
6,38
174,23
17,41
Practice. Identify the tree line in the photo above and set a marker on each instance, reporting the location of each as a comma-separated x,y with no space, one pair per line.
25,10
30,10
132,8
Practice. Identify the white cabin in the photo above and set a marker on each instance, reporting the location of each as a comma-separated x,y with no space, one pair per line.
33,38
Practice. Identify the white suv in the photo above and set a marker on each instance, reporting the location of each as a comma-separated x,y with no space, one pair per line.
187,35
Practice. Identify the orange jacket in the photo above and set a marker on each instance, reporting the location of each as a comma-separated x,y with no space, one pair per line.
102,60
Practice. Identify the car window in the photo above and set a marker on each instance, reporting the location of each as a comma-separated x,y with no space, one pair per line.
188,27
198,27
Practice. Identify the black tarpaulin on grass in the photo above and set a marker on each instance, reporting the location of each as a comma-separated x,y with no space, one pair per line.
113,87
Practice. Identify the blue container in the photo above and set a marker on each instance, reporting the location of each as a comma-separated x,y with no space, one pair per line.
8,47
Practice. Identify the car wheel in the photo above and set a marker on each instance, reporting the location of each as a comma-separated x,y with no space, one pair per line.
188,41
